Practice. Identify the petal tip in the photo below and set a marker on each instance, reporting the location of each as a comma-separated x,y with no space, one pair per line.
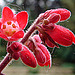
22,19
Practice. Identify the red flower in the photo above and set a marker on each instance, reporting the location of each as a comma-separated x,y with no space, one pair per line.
52,33
12,25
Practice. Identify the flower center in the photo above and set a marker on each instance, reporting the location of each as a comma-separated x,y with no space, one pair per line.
9,28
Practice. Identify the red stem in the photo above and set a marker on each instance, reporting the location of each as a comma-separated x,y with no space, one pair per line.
5,61
28,33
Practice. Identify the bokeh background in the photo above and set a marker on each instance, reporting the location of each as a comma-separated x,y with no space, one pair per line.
63,59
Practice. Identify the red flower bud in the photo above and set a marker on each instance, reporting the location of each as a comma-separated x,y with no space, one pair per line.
16,46
49,26
27,57
37,38
54,18
9,50
64,13
30,45
39,55
15,55
47,55
61,35
49,43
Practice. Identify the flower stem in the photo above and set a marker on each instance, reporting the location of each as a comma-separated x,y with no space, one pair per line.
5,61
28,33
32,28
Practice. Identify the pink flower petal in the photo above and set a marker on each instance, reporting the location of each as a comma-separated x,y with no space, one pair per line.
27,57
7,14
22,19
61,35
3,36
17,36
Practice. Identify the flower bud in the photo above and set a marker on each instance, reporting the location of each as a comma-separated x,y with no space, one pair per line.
49,43
64,13
61,35
54,18
15,55
28,58
16,46
37,38
47,55
9,50
40,55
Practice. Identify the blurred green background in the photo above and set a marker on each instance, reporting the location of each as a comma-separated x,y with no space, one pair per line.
63,59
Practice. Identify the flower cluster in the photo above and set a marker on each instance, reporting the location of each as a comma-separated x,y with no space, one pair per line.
41,53
50,33
32,49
